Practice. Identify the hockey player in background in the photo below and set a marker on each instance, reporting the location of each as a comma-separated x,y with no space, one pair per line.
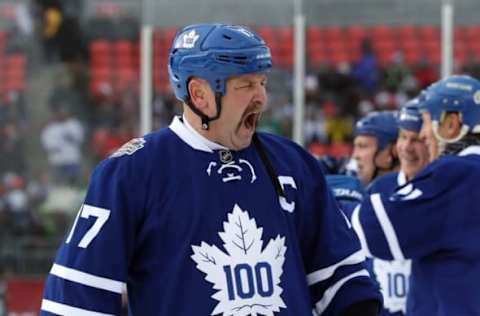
208,217
374,145
434,218
392,276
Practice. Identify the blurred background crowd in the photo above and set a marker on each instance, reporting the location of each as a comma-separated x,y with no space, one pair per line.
69,97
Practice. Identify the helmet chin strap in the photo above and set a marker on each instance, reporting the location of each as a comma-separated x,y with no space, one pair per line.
205,118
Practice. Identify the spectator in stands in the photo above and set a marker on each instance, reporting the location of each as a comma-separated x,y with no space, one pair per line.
52,20
395,73
12,155
366,71
62,139
16,202
339,128
425,74
13,110
71,41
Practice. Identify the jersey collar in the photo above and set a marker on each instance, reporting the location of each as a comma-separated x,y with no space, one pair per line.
470,150
401,178
191,137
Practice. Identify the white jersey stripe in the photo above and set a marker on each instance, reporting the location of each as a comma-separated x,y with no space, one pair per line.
66,310
470,150
325,273
88,279
330,293
359,230
387,227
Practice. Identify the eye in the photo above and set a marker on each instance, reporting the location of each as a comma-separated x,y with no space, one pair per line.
244,85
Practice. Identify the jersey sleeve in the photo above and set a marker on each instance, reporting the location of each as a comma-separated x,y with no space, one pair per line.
90,270
411,222
336,269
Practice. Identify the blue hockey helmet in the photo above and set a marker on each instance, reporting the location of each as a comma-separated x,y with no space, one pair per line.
381,125
458,93
410,117
215,52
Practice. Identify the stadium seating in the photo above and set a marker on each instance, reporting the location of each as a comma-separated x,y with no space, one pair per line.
116,62
23,296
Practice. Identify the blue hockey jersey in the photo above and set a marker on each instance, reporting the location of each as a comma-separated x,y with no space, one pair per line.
435,221
189,228
393,276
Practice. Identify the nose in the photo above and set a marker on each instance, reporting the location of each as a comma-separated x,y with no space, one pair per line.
409,145
260,94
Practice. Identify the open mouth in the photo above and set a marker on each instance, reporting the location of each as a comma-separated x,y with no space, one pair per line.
251,119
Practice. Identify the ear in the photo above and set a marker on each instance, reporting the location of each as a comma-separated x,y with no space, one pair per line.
394,151
385,156
197,89
450,125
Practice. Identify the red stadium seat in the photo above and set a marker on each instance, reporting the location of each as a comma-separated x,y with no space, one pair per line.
315,34
124,61
16,61
339,150
428,33
406,33
165,37
474,48
336,57
412,57
472,33
356,33
336,46
318,58
459,32
334,33
267,33
382,33
285,34
101,73
122,47
100,47
433,55
23,296
460,54
14,67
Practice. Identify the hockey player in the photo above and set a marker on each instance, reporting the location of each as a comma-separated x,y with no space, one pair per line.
412,152
374,145
208,217
391,275
433,219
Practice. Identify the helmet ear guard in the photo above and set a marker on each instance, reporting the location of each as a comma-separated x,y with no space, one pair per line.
459,94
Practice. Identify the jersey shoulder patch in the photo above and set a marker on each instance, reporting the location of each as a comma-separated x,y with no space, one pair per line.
130,147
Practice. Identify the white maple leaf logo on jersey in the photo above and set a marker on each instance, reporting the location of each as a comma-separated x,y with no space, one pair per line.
246,278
